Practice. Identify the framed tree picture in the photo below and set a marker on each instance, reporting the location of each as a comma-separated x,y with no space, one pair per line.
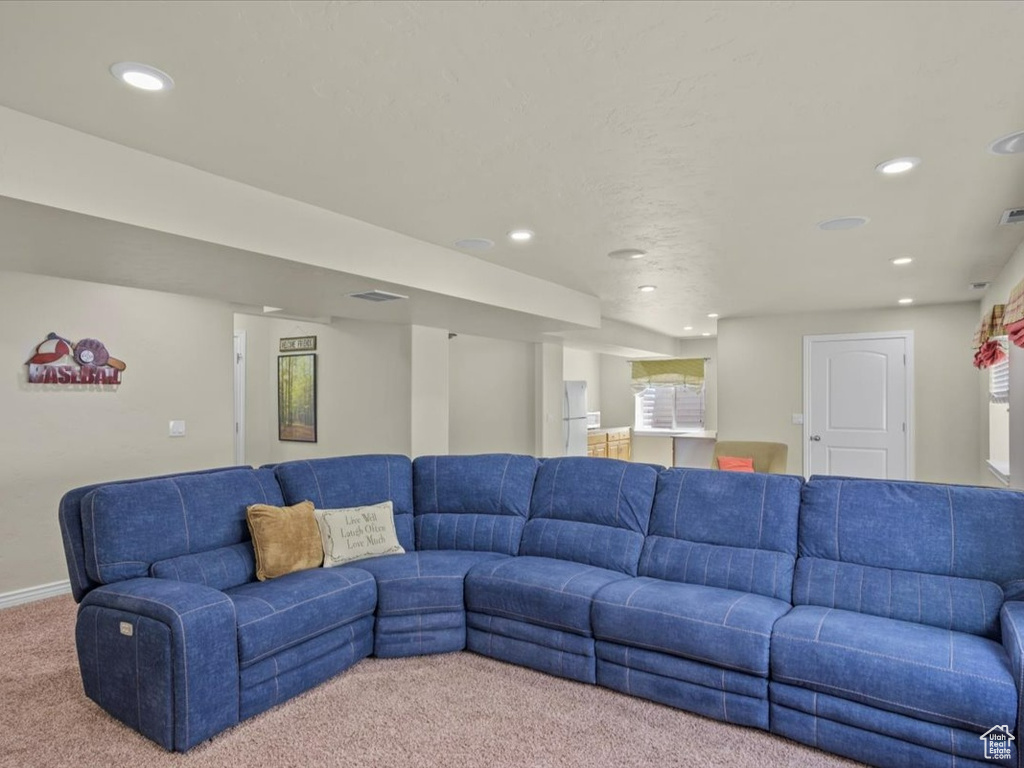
296,398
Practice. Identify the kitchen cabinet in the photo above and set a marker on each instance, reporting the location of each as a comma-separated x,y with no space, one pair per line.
619,444
611,443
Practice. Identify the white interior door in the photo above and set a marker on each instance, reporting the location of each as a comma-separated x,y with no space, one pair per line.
857,405
239,397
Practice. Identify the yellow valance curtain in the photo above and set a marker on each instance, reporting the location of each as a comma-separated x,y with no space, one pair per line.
647,372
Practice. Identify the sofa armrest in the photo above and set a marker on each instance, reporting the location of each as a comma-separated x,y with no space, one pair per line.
162,657
1011,618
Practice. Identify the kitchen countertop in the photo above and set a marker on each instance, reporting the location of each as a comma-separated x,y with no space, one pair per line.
692,434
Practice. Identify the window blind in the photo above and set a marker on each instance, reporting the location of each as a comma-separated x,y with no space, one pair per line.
999,381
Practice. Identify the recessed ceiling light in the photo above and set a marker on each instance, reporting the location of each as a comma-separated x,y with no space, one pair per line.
687,327
898,165
712,315
705,334
520,235
906,301
902,260
647,288
627,254
474,244
843,222
142,76
1008,145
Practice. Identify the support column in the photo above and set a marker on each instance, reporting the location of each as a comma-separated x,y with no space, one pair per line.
548,402
429,380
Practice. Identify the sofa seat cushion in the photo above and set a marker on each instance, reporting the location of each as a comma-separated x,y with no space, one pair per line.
538,590
932,674
430,581
277,614
724,627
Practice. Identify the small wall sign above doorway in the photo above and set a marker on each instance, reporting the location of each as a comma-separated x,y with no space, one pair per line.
298,344
57,360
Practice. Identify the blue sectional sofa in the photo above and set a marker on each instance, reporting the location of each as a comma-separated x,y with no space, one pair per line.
879,620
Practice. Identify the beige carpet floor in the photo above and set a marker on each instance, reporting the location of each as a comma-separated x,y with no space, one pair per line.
458,711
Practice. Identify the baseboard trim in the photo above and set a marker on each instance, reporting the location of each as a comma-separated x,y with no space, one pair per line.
31,594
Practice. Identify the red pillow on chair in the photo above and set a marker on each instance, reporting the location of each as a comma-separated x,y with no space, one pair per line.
735,464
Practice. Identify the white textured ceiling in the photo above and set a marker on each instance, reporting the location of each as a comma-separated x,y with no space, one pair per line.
712,135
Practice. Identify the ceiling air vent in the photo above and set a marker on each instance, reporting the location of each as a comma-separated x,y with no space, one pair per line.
1012,216
981,285
383,295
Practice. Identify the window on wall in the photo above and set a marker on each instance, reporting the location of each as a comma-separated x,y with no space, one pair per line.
999,381
670,406
999,418
669,394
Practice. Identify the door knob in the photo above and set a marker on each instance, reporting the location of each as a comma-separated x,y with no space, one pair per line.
816,438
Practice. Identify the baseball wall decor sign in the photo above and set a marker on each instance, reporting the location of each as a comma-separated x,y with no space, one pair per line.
58,361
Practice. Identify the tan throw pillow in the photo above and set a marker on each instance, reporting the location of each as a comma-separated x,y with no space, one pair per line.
285,539
356,533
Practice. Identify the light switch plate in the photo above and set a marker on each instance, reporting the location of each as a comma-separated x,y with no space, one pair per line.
177,429
798,418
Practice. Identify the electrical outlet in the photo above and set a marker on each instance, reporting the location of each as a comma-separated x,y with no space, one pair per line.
176,429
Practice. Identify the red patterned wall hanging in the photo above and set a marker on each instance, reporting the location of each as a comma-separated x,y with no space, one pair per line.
57,360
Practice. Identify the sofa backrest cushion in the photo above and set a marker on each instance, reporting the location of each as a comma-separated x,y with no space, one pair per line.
353,481
724,529
472,502
942,555
591,511
130,526
69,515
221,568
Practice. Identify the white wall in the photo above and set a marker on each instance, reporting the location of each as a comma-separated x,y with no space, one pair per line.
178,352
998,434
428,349
760,381
998,293
583,365
617,396
548,400
491,396
363,388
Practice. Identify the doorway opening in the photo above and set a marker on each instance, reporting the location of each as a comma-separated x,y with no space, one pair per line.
239,397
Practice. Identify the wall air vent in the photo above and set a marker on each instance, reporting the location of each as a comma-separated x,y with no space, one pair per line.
378,296
1012,216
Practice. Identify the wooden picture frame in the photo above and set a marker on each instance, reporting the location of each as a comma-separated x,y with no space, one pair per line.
296,398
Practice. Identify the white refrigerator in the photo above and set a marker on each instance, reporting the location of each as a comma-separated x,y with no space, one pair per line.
574,418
